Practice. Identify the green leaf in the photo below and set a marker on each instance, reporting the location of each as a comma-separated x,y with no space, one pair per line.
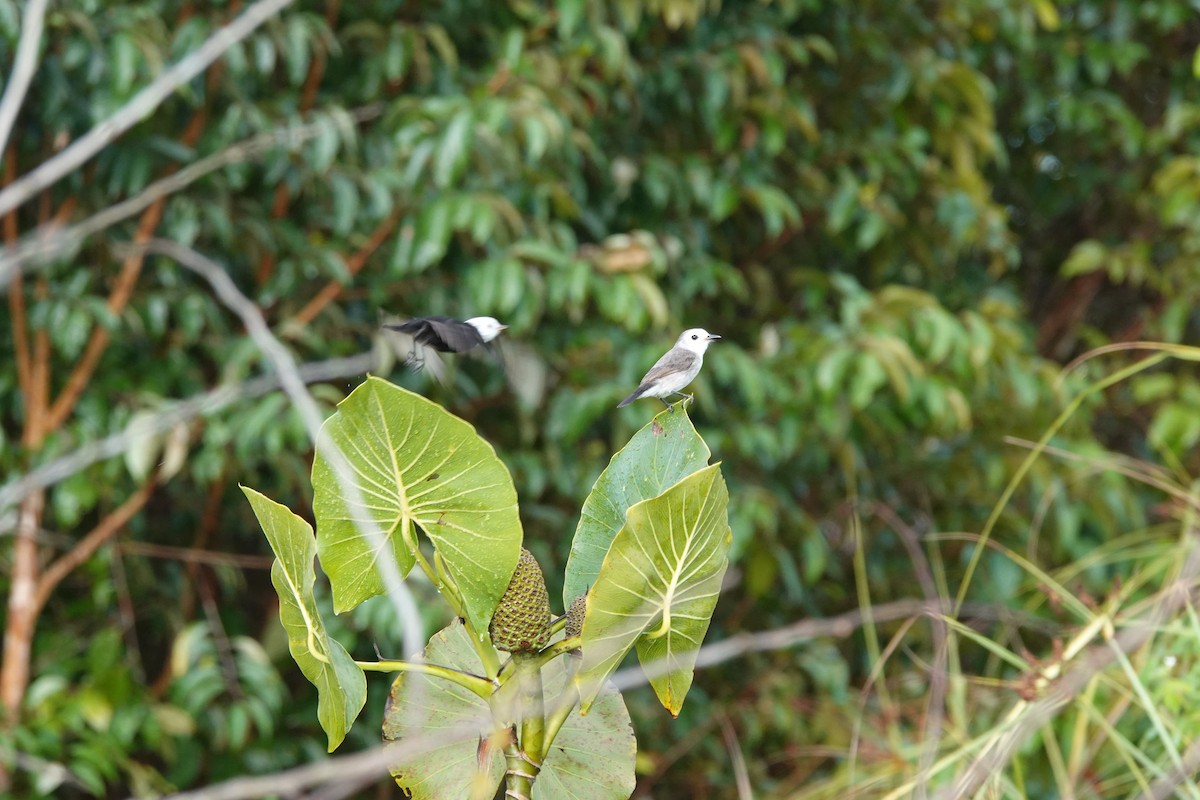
341,685
593,756
1087,256
441,727
658,587
659,455
455,146
414,463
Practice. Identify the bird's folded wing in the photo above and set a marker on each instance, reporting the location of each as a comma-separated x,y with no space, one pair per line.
671,363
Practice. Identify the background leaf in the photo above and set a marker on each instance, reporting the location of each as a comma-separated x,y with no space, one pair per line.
414,462
668,560
659,455
341,685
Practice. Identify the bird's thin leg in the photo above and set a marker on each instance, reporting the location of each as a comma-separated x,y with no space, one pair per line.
670,407
416,358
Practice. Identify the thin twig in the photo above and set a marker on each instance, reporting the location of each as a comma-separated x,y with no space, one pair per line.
931,733
1034,716
128,614
190,555
797,633
122,289
353,265
24,66
741,775
104,530
141,105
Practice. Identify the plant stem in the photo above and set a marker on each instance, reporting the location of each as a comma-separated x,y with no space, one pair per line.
524,756
480,686
532,705
519,775
446,586
558,648
565,703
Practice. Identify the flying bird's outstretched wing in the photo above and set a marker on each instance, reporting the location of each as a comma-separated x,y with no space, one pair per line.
441,333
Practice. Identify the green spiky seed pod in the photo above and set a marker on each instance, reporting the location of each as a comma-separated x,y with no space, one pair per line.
521,623
575,616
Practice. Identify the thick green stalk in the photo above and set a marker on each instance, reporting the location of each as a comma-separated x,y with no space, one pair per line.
524,756
520,774
532,706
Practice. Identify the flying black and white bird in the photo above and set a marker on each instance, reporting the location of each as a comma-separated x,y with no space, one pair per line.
448,335
675,370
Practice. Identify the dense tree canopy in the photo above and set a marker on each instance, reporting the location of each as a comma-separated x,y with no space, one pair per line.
904,219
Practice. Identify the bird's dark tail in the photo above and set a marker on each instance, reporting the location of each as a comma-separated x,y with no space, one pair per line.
638,392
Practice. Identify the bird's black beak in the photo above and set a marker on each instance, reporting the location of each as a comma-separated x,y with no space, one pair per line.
712,336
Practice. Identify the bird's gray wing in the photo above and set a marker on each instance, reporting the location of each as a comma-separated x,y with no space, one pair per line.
673,361
452,335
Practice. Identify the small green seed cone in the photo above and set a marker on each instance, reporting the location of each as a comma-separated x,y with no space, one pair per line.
521,623
575,616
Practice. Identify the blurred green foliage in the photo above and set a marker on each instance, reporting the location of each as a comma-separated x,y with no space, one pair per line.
902,218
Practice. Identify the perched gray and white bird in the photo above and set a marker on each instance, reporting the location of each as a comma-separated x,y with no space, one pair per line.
448,335
675,370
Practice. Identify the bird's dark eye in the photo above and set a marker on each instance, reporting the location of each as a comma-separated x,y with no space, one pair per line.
695,336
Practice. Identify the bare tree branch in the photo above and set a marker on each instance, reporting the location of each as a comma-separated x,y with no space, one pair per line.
24,66
185,411
43,245
128,115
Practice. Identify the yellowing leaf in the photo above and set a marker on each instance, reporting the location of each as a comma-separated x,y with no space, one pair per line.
341,686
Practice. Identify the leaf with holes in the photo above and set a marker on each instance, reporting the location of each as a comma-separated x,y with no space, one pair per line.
658,587
341,685
409,462
659,455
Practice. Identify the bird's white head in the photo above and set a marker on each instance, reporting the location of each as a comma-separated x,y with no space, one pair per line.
489,327
696,340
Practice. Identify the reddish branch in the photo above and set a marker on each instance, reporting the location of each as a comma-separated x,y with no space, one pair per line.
353,265
120,294
30,587
16,293
108,527
308,97
22,606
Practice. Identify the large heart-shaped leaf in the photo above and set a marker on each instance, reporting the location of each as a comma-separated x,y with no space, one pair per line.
448,744
341,685
412,462
443,730
593,756
658,587
659,455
